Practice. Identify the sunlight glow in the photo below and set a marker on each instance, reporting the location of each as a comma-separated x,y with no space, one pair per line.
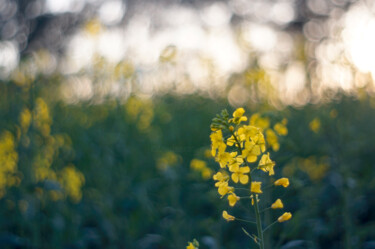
9,58
359,38
59,6
111,12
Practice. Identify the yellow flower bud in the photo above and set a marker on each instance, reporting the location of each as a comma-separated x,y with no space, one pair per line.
277,204
286,216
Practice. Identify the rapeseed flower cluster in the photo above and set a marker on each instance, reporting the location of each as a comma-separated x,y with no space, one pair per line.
240,149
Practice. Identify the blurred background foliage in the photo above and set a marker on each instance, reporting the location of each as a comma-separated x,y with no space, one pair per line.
105,109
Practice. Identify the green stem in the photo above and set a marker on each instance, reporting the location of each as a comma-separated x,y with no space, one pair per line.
248,221
259,223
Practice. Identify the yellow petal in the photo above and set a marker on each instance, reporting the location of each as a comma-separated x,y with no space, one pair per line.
286,216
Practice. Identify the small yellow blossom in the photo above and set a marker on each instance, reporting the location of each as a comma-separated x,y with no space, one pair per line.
281,129
197,164
224,158
286,216
315,125
266,164
231,141
206,173
223,188
220,177
239,173
227,216
233,198
256,187
282,182
217,142
251,151
238,112
238,116
246,132
190,246
272,139
260,122
277,204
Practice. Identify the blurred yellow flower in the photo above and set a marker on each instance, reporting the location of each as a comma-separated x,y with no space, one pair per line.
277,204
197,164
286,216
272,139
281,129
282,182
237,116
227,216
315,125
217,142
258,121
190,246
206,173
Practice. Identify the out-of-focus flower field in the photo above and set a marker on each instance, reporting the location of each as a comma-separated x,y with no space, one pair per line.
138,173
105,141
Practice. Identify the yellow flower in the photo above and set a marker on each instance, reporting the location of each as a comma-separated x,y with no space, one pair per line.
217,142
260,122
258,139
231,141
206,173
281,129
247,131
272,139
197,164
315,125
251,151
238,112
190,246
220,177
223,188
238,173
277,204
255,187
227,216
224,158
266,164
286,216
233,198
282,182
238,116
